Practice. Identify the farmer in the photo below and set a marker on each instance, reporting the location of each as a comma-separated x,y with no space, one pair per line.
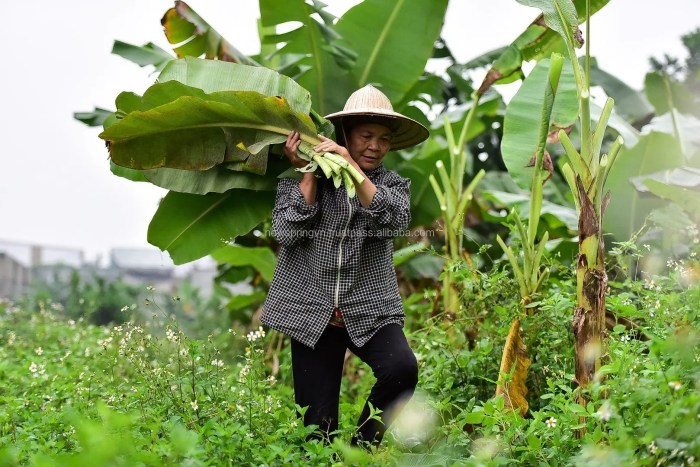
334,286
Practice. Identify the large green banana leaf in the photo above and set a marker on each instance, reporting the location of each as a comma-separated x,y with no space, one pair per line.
522,120
195,37
262,259
214,180
211,76
192,226
664,94
628,208
199,131
319,63
393,41
688,200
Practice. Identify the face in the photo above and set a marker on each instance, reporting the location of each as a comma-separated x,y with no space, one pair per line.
368,143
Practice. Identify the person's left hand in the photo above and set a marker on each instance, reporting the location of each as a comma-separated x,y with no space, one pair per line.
328,145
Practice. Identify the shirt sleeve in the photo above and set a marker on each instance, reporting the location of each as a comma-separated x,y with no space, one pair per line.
389,213
292,219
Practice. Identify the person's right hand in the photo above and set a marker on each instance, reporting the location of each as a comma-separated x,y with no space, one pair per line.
290,150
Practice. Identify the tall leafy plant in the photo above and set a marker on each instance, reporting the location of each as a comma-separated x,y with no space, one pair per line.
515,361
585,171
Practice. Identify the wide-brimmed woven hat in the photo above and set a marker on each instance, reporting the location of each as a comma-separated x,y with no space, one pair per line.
371,102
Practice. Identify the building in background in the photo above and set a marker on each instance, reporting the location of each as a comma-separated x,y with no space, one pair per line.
22,264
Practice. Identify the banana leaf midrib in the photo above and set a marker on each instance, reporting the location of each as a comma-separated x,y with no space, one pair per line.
379,44
316,54
270,128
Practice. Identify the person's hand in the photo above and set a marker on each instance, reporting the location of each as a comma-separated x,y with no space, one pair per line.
291,147
328,145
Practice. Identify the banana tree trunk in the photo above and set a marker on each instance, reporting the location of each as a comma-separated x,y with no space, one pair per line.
591,284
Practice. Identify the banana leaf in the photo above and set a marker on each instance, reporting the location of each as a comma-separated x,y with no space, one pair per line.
144,55
560,16
194,37
214,180
389,50
664,98
317,62
686,199
211,76
522,120
199,131
262,259
628,208
95,118
190,226
538,41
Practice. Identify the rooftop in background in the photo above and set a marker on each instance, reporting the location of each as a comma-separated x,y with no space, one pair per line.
29,255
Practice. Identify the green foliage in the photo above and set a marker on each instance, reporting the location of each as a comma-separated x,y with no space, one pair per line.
382,34
178,126
521,138
90,297
191,226
145,392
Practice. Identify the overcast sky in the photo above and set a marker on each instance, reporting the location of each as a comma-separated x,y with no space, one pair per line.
55,185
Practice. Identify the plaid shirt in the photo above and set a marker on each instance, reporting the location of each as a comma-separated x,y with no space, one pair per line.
337,254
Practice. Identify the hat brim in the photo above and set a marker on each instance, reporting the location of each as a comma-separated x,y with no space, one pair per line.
406,131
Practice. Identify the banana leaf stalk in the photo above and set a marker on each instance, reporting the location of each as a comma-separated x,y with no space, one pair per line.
332,165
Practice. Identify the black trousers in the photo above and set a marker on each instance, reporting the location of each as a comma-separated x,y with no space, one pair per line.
318,372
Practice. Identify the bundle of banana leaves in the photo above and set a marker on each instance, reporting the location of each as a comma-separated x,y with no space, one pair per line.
207,116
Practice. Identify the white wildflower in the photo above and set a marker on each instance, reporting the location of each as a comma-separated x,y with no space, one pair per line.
605,412
551,422
38,351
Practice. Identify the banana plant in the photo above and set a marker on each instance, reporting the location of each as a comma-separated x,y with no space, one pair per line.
515,361
454,200
585,172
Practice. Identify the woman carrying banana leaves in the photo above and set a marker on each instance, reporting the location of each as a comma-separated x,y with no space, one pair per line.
335,287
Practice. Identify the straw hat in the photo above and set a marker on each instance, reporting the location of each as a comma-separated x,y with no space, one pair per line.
372,103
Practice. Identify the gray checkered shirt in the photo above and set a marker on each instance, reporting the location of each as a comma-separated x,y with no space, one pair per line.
335,253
